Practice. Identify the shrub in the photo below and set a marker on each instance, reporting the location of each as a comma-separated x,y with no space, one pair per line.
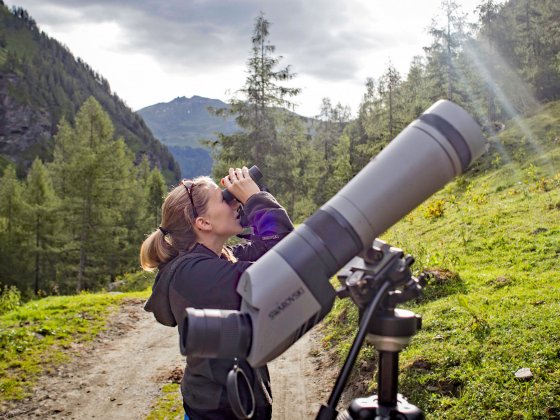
133,282
10,298
435,209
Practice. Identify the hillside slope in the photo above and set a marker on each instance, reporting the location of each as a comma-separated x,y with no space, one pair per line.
41,82
491,240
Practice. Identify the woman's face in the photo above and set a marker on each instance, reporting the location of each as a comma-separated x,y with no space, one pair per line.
222,216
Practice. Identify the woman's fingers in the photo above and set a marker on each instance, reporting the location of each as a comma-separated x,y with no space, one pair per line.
238,174
240,183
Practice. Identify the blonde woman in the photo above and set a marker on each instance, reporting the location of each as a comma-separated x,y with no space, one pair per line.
197,269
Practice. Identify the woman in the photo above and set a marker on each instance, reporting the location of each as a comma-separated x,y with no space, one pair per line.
197,270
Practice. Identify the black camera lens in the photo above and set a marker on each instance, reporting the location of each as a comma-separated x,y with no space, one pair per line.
216,333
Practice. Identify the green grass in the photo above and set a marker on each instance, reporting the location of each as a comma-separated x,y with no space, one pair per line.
496,231
169,405
37,336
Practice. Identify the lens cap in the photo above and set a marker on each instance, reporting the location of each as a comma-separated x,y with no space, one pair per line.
240,394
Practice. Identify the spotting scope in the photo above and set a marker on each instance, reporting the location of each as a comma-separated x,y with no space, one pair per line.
287,291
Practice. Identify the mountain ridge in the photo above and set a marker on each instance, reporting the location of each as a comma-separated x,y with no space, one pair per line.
182,123
41,82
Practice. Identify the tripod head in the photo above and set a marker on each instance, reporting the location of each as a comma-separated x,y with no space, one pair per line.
376,283
362,278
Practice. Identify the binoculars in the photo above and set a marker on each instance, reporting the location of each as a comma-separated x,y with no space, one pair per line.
255,174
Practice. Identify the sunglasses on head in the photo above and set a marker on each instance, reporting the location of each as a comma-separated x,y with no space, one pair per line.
189,185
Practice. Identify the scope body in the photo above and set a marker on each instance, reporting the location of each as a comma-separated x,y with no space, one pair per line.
287,291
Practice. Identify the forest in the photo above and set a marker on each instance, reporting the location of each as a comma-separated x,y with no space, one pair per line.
75,222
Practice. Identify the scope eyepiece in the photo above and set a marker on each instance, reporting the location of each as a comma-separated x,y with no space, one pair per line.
216,333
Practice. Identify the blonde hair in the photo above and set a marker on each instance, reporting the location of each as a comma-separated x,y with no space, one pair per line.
177,218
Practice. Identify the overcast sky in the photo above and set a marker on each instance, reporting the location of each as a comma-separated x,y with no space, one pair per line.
153,51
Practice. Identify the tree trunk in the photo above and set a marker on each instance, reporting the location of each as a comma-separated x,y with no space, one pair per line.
449,86
37,226
83,241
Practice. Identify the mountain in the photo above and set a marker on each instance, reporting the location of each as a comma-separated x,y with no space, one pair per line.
185,121
182,123
41,82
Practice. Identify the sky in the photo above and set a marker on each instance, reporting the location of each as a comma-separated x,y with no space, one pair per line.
153,51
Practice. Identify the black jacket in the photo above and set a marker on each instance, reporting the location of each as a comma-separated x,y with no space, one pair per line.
205,280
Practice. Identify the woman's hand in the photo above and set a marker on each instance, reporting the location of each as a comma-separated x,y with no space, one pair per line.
240,184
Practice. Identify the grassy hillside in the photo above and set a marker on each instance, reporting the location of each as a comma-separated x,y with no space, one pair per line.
492,238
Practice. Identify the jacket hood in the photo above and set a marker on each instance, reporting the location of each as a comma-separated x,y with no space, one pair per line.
158,303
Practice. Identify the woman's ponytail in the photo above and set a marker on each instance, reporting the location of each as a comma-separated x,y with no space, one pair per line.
156,251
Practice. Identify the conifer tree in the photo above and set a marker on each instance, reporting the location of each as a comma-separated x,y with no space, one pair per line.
144,171
342,169
487,39
96,189
294,167
156,193
366,132
12,234
414,90
448,35
263,91
41,222
389,91
333,120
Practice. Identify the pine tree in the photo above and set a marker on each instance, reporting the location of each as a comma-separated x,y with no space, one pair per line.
292,165
414,90
390,83
41,222
96,188
488,14
448,37
333,120
144,171
156,193
262,93
12,233
367,133
342,169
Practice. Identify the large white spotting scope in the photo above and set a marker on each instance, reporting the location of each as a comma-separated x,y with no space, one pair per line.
287,291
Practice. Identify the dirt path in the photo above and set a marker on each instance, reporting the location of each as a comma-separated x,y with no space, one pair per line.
116,377
121,374
301,379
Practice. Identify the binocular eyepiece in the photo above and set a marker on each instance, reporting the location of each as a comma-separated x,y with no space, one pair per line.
255,174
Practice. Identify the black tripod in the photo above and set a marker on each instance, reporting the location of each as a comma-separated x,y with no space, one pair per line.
376,283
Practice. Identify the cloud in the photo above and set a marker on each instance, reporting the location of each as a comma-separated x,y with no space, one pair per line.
323,39
151,50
